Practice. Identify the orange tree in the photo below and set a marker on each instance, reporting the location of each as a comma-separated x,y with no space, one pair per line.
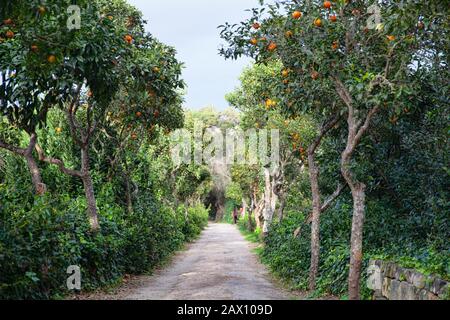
46,65
261,89
341,64
52,65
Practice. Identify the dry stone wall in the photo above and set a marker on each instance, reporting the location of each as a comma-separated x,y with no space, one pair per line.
392,282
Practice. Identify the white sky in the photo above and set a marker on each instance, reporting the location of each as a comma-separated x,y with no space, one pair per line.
191,27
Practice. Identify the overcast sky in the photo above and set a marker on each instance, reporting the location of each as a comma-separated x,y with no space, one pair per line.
191,27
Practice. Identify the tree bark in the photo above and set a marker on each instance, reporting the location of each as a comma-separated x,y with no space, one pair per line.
356,253
315,225
268,202
281,206
316,201
244,207
39,187
356,130
89,190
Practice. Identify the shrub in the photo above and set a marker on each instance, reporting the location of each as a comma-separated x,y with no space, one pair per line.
39,240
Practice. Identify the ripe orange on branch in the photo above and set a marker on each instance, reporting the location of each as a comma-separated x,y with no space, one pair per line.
391,38
333,18
327,4
272,46
256,26
129,39
289,34
254,41
270,103
315,75
335,45
296,15
51,59
318,22
34,48
9,34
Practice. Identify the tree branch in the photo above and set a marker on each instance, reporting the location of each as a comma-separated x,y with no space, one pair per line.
57,162
333,197
13,149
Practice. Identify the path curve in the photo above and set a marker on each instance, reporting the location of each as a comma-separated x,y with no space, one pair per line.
220,265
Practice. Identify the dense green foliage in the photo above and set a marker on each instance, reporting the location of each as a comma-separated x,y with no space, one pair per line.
41,236
321,62
102,98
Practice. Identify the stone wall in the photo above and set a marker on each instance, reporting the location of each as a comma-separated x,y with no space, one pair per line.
392,282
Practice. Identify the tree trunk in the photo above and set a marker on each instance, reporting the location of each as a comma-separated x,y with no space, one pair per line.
316,201
269,202
315,221
128,195
358,194
355,133
244,208
39,187
356,252
259,218
89,190
282,201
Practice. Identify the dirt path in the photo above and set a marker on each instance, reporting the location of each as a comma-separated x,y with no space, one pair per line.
219,265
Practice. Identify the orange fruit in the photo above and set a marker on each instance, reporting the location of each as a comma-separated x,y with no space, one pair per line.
333,18
156,114
90,94
58,130
138,114
9,34
134,136
318,22
270,103
314,75
285,73
335,45
254,41
51,59
327,4
128,38
34,48
296,15
272,46
286,81
110,17
421,25
256,26
391,38
289,34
